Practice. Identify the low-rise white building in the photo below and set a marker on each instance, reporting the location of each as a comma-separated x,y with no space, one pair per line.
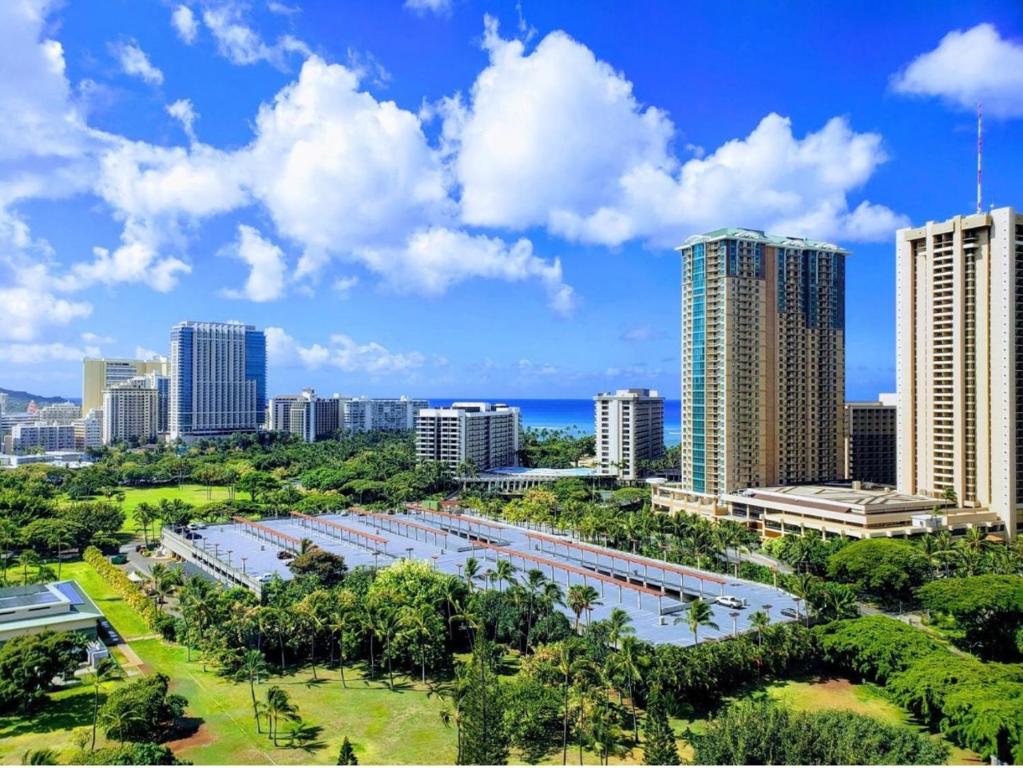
394,414
89,430
40,436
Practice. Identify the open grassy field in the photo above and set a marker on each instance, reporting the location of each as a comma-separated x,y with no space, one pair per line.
125,619
187,492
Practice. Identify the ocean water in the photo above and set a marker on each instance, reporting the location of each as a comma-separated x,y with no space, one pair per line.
573,415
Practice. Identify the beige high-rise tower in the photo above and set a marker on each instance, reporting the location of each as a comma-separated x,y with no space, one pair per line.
763,361
959,297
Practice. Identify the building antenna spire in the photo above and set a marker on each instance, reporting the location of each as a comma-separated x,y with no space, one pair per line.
980,149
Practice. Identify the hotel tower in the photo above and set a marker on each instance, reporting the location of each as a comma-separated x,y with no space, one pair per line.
763,361
959,361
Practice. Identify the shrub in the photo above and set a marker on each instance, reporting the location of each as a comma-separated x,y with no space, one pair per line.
132,594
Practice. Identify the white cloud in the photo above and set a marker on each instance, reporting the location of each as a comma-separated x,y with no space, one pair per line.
439,7
185,24
240,44
341,352
343,286
183,111
135,63
641,334
266,280
282,9
434,259
33,354
26,311
142,353
94,338
556,138
977,64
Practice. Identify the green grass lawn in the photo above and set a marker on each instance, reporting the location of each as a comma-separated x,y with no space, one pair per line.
125,619
188,492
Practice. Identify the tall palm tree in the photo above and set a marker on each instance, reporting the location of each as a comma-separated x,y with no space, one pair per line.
419,622
567,663
344,625
759,621
504,571
252,668
28,559
9,536
471,570
581,598
145,515
278,705
619,625
105,669
385,627
698,615
631,663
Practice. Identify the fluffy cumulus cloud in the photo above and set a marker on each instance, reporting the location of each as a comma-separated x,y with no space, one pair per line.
434,259
341,352
267,267
556,138
185,24
135,63
28,311
32,354
968,66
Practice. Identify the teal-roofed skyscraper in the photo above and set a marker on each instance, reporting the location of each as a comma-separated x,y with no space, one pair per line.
763,360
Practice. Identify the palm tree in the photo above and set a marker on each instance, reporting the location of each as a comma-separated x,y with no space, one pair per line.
532,585
311,611
759,621
567,663
278,705
27,559
619,624
386,626
105,669
9,536
504,571
420,622
466,470
252,667
581,598
631,662
146,514
698,615
343,623
471,570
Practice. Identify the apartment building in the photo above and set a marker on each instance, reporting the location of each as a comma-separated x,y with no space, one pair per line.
763,361
59,413
131,411
485,434
959,362
217,379
89,430
629,429
101,373
398,414
309,416
40,436
869,455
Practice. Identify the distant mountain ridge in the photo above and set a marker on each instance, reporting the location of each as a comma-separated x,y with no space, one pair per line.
18,401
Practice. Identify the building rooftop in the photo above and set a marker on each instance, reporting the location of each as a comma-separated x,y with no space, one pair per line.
539,472
757,235
44,606
841,496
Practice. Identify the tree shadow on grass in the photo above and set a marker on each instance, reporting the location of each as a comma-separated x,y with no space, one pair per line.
63,714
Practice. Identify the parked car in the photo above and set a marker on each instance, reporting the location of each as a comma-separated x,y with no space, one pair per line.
730,601
284,555
790,612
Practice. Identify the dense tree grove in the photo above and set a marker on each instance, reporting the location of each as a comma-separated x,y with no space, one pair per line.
987,608
764,733
29,663
977,705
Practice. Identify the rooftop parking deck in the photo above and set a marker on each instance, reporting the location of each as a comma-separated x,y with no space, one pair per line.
653,592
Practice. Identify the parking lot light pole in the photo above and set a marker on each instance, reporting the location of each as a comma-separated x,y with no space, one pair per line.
735,616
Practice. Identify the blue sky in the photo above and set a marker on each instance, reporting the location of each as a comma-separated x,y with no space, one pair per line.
450,198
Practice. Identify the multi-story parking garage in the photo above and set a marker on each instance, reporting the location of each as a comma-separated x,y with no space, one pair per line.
652,591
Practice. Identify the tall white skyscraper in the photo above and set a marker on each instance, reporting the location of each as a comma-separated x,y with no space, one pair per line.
217,379
959,361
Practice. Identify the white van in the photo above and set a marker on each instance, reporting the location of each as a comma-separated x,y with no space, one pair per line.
730,601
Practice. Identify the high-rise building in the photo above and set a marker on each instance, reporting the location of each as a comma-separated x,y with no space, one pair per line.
40,436
89,430
99,374
763,361
217,379
131,411
485,434
870,441
629,430
959,361
363,414
306,415
60,413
